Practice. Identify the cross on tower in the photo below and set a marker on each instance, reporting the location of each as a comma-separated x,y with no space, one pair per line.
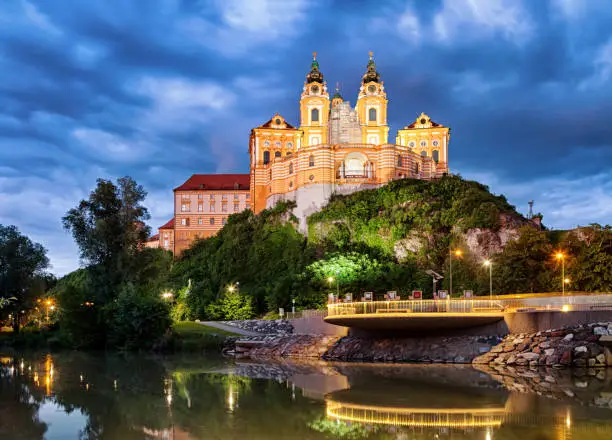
314,55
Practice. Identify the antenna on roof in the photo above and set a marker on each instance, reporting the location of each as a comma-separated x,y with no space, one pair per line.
531,209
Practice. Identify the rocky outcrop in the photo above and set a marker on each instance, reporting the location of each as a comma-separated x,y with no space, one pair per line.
580,346
267,327
278,347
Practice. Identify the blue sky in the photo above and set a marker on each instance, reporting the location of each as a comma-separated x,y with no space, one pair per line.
161,89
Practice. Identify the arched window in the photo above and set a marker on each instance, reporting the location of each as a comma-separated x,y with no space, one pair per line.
424,153
372,114
266,157
399,161
416,168
435,154
277,154
311,161
314,115
291,168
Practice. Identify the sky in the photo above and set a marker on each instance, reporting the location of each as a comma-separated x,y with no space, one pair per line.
161,89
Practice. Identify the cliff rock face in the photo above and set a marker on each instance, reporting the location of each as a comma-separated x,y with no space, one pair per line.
486,242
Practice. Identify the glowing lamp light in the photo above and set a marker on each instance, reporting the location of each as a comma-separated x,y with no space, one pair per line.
487,262
458,252
167,295
231,288
565,308
560,255
52,308
330,279
566,281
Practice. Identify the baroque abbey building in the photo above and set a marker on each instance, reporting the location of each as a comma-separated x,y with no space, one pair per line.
337,148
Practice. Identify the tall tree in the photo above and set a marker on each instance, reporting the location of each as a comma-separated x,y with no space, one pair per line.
109,229
21,262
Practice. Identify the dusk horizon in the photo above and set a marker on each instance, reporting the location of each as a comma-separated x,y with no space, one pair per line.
161,92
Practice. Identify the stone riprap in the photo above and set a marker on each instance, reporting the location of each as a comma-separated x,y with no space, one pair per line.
263,326
581,346
458,350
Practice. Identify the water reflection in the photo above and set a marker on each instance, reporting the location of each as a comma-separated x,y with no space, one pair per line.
79,396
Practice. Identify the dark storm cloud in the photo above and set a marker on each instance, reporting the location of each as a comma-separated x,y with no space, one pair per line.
161,89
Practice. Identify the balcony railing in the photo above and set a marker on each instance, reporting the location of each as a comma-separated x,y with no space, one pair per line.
561,303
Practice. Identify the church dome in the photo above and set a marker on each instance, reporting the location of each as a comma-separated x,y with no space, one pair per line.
371,74
315,74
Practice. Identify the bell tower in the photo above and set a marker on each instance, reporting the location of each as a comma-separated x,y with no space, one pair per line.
314,107
372,107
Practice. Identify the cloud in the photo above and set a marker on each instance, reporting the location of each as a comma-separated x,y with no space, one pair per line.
245,24
39,19
458,20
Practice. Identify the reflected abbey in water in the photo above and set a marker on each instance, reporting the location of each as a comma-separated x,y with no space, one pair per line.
80,396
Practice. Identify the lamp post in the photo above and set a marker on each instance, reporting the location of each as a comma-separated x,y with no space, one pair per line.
331,280
458,253
561,256
490,265
48,303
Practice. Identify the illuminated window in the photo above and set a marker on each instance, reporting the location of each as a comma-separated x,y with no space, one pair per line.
200,207
435,155
311,162
314,115
291,168
184,207
199,221
185,222
372,114
266,157
212,220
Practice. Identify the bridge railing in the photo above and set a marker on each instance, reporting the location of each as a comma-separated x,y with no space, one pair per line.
563,303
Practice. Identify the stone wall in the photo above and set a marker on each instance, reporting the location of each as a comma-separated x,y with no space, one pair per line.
278,326
580,346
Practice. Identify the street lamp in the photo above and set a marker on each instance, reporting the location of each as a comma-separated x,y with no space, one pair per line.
49,306
561,256
490,265
331,280
457,253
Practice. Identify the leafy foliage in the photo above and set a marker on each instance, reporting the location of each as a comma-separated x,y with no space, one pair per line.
21,263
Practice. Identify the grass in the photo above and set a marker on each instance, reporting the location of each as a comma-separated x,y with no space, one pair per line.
193,329
192,337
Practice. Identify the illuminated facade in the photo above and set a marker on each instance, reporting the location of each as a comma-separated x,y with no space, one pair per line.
337,148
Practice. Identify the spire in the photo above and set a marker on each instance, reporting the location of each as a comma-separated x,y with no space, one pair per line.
337,92
371,74
315,75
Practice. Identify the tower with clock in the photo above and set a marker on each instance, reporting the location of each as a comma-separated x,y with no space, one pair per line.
314,107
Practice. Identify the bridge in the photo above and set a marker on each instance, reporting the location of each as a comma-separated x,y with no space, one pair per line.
526,310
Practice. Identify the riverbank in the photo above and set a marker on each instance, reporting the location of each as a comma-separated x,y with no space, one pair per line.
578,346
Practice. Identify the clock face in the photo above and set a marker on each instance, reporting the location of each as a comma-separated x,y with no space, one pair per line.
314,89
277,121
372,89
423,120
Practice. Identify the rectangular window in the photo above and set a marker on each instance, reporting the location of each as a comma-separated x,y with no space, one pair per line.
212,207
212,220
185,196
248,196
248,206
199,221
184,207
235,196
224,207
200,207
166,244
200,196
212,197
236,207
224,197
224,220
184,222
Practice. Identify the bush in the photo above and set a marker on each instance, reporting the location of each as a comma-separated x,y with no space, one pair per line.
137,320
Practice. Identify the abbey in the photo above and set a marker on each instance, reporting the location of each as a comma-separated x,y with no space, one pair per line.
336,148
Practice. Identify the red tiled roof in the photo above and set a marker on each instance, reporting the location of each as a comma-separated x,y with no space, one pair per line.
216,181
154,238
169,225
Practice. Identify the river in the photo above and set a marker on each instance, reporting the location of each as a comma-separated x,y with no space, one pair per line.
75,395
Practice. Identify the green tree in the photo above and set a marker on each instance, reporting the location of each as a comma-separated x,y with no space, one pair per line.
588,253
21,262
109,230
